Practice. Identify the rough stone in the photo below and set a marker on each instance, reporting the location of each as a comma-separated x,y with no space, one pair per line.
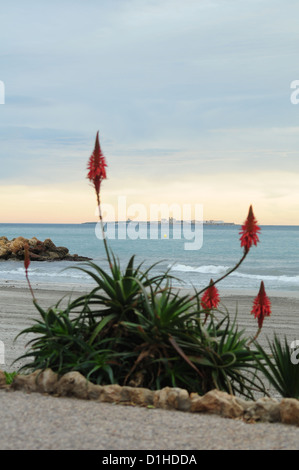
172,398
289,411
94,391
49,244
264,409
137,396
26,382
53,256
2,379
73,384
32,242
62,251
38,250
47,381
43,381
4,252
111,393
17,244
217,402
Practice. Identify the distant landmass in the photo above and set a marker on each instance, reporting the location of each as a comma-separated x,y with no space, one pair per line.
170,221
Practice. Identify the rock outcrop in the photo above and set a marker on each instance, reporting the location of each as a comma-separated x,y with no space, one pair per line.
38,250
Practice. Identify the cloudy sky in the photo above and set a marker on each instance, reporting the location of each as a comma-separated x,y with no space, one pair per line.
191,100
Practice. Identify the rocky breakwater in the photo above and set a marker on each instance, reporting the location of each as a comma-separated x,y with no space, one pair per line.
38,251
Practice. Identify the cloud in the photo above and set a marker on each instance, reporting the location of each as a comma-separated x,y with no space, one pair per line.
177,89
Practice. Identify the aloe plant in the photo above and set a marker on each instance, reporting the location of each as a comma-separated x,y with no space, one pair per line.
278,367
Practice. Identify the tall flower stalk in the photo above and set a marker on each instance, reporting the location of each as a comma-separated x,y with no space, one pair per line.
249,236
96,174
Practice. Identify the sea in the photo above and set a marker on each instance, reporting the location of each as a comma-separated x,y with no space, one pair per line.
275,259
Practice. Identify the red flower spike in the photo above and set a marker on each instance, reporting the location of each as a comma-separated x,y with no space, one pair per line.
261,306
210,298
97,166
249,232
26,257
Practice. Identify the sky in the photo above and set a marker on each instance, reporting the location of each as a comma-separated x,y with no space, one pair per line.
192,101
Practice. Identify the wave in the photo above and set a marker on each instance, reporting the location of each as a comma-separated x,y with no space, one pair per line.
33,273
213,269
260,277
209,269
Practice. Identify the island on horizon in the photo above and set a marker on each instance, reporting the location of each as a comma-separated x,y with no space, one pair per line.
170,221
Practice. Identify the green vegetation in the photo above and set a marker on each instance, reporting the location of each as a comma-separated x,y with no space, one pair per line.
9,376
278,367
137,330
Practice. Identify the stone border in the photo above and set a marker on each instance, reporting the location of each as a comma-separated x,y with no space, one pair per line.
73,384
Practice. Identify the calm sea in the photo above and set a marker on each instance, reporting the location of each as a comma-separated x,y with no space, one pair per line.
275,260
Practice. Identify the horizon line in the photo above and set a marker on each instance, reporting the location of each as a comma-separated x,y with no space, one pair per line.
143,221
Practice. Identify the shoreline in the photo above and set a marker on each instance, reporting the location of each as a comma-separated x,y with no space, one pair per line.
82,287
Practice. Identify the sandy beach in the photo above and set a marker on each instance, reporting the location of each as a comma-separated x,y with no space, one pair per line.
17,312
44,422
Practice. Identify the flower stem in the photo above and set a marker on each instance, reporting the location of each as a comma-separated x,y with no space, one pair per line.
255,337
225,275
103,231
30,287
